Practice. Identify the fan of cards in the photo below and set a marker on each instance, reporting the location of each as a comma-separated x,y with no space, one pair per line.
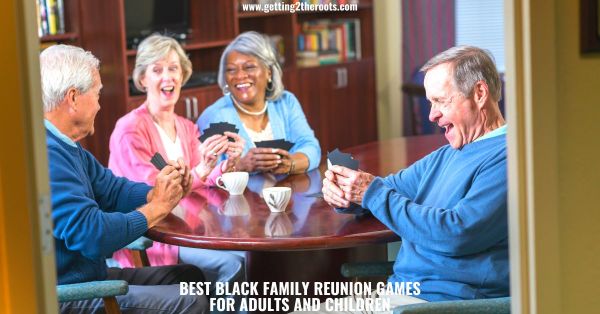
343,159
281,144
218,128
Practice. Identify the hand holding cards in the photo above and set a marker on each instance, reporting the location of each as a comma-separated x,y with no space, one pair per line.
218,128
345,160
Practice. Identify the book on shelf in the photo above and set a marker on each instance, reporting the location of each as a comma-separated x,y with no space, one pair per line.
279,47
332,40
51,17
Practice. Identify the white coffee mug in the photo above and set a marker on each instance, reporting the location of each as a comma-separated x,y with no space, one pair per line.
233,182
277,198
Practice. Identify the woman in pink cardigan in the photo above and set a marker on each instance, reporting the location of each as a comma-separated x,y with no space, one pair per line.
161,69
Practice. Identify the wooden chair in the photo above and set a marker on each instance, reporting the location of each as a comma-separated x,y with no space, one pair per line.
138,251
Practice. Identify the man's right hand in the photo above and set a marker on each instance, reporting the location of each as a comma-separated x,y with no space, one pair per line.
332,193
165,195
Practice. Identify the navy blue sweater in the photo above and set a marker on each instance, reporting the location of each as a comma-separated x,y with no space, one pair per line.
450,209
93,211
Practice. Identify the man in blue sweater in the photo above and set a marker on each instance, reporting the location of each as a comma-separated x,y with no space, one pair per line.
96,213
449,208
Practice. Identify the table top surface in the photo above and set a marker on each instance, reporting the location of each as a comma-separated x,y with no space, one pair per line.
210,218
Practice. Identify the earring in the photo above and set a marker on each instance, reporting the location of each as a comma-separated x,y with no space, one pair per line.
226,89
269,85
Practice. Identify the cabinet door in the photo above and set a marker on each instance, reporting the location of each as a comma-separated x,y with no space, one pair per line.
193,101
313,90
339,103
353,107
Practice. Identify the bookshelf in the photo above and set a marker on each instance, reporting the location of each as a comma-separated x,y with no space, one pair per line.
338,99
58,21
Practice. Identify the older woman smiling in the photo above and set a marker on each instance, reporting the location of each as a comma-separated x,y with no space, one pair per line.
261,109
161,69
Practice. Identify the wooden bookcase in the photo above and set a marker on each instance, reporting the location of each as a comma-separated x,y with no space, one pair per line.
338,99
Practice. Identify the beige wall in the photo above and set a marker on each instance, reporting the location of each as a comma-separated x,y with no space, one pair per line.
27,269
388,57
578,95
554,171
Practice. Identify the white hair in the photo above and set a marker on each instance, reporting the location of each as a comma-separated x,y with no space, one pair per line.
257,45
63,67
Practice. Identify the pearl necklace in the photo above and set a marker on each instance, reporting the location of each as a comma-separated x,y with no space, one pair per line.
264,109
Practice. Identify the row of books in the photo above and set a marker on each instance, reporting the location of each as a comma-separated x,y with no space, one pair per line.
328,41
51,17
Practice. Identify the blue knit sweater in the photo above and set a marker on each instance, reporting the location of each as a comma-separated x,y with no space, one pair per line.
287,122
450,209
93,211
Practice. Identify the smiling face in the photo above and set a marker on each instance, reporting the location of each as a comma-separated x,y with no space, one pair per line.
459,115
247,78
162,81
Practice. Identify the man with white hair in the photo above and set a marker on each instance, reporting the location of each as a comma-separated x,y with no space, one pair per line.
96,213
449,208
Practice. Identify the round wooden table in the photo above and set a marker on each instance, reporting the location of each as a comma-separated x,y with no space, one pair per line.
310,240
211,219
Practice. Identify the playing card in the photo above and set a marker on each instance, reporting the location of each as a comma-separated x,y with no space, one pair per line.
218,128
280,143
341,159
158,161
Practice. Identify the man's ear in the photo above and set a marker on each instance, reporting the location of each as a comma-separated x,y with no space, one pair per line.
70,97
480,93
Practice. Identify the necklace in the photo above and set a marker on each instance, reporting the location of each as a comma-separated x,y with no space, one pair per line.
264,109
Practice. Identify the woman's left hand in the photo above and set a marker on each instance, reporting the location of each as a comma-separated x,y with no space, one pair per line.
285,167
210,150
234,151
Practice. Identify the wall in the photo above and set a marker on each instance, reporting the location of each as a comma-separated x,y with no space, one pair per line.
578,164
27,271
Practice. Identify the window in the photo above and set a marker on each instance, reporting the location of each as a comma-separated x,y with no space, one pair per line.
481,24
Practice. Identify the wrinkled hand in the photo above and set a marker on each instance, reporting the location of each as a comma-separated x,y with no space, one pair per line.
352,183
186,175
210,150
286,162
333,194
167,191
234,152
259,159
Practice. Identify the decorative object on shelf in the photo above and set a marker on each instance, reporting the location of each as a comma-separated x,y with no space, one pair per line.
590,26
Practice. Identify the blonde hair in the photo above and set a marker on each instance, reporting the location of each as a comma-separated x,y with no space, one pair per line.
152,49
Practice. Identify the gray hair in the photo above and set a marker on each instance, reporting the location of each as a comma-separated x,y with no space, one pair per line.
469,65
256,45
63,67
154,48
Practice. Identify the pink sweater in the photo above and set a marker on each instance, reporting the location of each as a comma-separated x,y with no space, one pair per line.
133,142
